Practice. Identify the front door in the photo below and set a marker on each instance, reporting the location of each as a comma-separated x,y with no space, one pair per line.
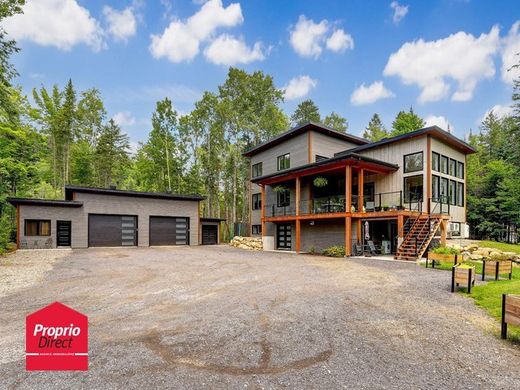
63,233
283,236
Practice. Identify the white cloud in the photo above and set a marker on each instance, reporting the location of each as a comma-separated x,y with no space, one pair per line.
59,23
441,121
124,119
228,50
499,110
400,11
121,24
180,41
339,41
460,57
308,38
299,87
370,94
510,54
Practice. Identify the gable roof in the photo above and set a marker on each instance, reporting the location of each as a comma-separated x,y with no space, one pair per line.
435,131
70,189
318,127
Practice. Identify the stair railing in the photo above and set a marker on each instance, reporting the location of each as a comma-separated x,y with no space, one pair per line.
410,222
429,226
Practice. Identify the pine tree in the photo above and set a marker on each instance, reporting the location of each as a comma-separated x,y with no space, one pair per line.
336,121
307,111
375,129
406,122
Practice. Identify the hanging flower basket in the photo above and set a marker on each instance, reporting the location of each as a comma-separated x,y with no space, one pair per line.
320,181
279,189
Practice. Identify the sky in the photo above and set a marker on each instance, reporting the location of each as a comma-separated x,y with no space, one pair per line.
447,59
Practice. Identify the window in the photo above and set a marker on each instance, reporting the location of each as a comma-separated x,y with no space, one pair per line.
453,167
454,228
460,194
460,170
444,190
284,162
256,170
283,198
257,201
444,164
413,162
321,158
37,227
453,192
435,187
413,188
436,161
256,229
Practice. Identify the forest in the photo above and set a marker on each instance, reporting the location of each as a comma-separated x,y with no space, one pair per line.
60,135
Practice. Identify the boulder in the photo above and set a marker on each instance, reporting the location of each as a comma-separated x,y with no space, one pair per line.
249,243
482,252
476,257
471,248
498,255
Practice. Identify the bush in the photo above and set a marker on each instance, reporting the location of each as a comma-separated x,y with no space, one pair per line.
335,251
446,250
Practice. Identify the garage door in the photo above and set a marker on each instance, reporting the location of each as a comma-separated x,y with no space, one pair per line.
169,231
209,234
112,230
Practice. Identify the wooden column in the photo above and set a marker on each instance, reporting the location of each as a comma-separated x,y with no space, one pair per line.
262,210
428,172
348,188
444,231
400,223
297,246
359,234
298,197
348,236
360,190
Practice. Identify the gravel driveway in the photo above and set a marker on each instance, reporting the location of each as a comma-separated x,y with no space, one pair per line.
219,317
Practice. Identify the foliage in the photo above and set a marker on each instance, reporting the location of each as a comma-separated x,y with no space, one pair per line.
500,245
375,129
320,181
406,122
307,111
446,250
335,251
279,188
336,121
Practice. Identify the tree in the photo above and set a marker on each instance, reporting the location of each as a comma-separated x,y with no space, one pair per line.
307,111
337,122
111,155
406,122
375,129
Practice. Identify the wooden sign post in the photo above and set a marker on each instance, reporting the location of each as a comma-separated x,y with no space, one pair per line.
510,312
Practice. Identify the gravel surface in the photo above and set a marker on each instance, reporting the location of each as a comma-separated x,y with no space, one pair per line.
218,317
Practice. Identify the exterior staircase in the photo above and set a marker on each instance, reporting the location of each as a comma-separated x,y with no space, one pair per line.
419,233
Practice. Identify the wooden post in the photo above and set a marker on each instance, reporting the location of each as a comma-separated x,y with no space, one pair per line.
428,172
400,223
348,236
360,190
262,210
18,226
443,232
298,185
298,235
348,189
358,230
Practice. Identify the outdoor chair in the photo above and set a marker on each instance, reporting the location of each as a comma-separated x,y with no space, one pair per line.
36,244
373,249
48,243
23,244
358,250
370,206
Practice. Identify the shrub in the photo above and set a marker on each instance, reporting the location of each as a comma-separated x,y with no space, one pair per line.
446,250
312,250
335,251
320,182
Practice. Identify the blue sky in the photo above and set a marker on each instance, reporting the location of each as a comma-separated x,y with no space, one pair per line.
444,58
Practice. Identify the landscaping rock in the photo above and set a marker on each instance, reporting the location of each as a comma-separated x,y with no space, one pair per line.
476,257
471,248
250,243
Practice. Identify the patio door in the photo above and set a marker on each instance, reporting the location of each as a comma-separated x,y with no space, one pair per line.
283,236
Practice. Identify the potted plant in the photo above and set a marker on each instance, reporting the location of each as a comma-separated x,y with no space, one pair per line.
444,254
320,181
279,188
386,207
462,274
496,266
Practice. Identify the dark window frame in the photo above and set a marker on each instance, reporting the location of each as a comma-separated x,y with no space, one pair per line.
414,170
436,196
454,174
406,199
283,198
39,223
256,229
452,194
445,158
280,165
460,172
256,201
441,194
435,167
255,171
460,194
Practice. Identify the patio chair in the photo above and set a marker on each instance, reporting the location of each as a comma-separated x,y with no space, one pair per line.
358,250
370,206
373,249
36,244
48,243
24,244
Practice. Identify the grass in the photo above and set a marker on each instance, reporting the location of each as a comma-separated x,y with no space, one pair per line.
500,245
489,295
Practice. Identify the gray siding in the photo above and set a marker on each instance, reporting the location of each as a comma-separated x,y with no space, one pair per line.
326,146
322,235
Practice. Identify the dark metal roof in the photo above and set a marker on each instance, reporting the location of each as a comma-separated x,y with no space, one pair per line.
44,202
320,128
70,189
347,156
435,131
210,219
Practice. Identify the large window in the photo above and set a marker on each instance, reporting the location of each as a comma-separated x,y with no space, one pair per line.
256,170
460,194
284,162
256,229
37,227
444,164
453,167
460,170
257,202
413,188
453,192
444,189
283,198
413,162
436,161
435,187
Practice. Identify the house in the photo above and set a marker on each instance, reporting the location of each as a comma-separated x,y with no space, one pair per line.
313,187
101,217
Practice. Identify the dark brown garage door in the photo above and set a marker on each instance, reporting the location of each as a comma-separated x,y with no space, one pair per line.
209,234
169,231
112,230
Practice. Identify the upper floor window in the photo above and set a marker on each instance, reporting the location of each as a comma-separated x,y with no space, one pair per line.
321,158
460,170
453,192
444,164
413,162
256,229
413,188
436,161
453,167
37,227
256,201
460,194
283,198
284,161
256,170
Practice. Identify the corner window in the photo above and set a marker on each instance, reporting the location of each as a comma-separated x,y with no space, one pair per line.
453,167
436,157
256,201
284,162
444,164
256,170
413,188
413,162
37,227
453,192
256,229
460,170
435,187
460,194
283,198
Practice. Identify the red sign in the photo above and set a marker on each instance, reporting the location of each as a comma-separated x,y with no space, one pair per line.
56,338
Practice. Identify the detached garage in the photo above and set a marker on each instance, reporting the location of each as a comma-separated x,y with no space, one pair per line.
112,230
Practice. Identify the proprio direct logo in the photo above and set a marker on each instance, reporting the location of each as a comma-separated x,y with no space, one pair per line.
56,338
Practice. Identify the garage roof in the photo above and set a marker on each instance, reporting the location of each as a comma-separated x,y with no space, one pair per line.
44,202
70,190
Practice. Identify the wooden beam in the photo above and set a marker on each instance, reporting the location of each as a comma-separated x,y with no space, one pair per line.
348,188
17,226
309,147
297,247
361,172
428,172
298,195
262,210
348,236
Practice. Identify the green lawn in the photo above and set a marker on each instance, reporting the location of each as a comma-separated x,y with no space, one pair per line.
500,245
489,295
